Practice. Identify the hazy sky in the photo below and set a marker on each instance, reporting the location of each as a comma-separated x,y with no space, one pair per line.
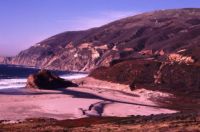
26,22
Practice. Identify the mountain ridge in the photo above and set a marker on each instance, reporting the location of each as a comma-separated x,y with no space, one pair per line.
156,34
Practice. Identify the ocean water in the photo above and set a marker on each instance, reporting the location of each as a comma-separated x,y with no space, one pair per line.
15,77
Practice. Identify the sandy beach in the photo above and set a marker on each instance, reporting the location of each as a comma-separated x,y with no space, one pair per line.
92,98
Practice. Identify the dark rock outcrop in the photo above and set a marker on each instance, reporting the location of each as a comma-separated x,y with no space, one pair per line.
46,80
155,34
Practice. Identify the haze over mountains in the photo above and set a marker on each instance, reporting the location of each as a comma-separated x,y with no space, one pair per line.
156,35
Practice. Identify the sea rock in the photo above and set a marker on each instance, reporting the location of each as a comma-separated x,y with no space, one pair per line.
44,79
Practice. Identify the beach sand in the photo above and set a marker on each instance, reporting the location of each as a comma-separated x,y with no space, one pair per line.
92,98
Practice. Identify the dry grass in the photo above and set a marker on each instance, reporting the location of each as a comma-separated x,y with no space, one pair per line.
168,122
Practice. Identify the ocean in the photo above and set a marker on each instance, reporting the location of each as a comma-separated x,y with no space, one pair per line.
15,77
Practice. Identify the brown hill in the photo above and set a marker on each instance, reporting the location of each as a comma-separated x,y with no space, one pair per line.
155,34
170,75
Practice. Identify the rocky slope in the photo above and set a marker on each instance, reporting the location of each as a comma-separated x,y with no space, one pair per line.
1,59
4,60
165,34
170,75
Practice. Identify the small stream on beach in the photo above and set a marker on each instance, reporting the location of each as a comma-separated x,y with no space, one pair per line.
14,77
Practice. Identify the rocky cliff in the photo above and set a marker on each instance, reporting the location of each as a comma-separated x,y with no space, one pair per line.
1,59
163,35
5,60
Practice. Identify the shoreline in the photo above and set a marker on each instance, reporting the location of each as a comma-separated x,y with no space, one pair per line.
93,98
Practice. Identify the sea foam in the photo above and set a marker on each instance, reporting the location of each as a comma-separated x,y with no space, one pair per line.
21,82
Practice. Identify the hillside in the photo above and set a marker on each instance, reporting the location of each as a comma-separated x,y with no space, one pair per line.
154,74
166,34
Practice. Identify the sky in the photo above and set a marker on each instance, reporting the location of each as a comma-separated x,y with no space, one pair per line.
26,22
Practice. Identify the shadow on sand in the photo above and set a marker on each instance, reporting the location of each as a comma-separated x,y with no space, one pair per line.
73,93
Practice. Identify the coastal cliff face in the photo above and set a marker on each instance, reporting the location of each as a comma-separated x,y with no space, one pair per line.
163,35
5,60
1,59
